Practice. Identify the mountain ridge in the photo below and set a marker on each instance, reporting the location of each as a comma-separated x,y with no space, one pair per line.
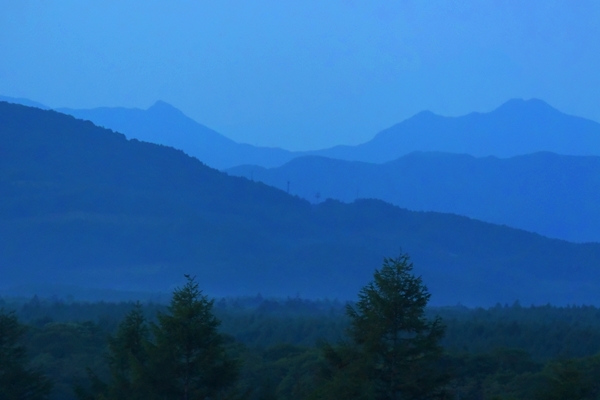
164,124
516,127
85,206
554,195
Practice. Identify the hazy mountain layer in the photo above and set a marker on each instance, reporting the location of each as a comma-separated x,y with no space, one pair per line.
517,127
23,101
166,125
84,206
554,195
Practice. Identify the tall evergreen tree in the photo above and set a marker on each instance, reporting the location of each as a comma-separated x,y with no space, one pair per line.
128,358
182,356
394,349
188,357
17,381
127,363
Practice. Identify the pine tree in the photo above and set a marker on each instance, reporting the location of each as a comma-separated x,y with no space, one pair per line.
127,363
188,357
16,380
182,356
128,357
395,348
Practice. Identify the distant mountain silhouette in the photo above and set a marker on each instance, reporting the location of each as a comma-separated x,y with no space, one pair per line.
23,101
83,206
166,125
517,127
554,195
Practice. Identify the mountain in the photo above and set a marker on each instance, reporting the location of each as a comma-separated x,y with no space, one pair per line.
85,207
23,101
554,195
517,127
164,124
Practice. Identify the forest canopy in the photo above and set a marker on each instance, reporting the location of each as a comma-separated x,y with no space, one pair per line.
290,348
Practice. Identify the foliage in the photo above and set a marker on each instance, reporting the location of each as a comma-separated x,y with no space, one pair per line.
572,379
504,352
17,381
546,332
394,348
181,356
188,358
127,357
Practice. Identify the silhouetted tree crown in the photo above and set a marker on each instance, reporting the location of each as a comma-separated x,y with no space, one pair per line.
181,356
394,349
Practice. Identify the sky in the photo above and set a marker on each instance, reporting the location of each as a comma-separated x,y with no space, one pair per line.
302,74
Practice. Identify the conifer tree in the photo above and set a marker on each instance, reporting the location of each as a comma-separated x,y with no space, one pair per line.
393,348
17,381
182,356
128,357
127,363
188,358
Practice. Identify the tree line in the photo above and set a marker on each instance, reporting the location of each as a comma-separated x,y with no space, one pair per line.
392,347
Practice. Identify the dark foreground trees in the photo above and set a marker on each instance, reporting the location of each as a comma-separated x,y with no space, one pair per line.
188,358
394,350
571,379
181,356
127,363
17,381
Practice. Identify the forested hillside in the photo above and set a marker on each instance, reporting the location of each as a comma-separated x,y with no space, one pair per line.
84,206
551,194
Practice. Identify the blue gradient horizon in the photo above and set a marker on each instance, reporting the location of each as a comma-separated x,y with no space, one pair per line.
302,75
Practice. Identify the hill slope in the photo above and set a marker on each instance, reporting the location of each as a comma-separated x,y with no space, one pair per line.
84,206
554,195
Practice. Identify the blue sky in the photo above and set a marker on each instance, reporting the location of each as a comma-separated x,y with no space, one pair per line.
302,74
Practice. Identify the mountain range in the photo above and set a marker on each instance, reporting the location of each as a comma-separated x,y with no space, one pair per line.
164,124
517,127
24,101
85,206
554,195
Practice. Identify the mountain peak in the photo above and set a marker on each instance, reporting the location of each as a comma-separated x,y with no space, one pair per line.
162,106
162,109
522,105
424,114
24,102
